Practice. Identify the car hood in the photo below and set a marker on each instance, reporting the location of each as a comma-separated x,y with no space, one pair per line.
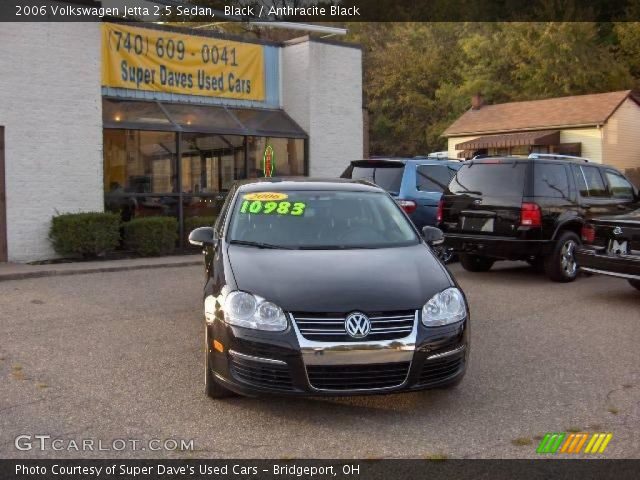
371,280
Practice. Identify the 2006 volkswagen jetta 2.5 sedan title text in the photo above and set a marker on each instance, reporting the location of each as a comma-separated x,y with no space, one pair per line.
324,287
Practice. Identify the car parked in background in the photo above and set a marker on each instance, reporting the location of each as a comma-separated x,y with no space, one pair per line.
612,247
416,184
533,209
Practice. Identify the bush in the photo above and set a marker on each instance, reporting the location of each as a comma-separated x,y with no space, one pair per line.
87,234
148,236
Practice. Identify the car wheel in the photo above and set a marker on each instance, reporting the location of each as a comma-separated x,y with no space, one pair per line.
212,388
561,265
635,283
476,263
444,254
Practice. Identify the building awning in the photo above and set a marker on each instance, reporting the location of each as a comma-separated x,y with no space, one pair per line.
545,137
155,115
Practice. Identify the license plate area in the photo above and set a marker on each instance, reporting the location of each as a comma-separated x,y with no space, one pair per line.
477,224
618,247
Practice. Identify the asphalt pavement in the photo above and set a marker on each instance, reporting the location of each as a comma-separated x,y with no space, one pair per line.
119,356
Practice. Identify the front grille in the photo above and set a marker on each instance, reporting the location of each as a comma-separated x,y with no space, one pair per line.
329,327
261,374
439,369
357,377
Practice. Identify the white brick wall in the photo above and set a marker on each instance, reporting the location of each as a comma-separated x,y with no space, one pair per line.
50,106
322,91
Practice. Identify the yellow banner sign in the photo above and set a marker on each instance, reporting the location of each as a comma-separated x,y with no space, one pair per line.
162,61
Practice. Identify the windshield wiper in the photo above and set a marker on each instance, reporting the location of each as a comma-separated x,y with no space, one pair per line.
259,244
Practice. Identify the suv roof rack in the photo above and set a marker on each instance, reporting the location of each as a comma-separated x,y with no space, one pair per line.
554,156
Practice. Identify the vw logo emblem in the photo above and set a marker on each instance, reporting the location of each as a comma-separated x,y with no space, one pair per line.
617,231
357,325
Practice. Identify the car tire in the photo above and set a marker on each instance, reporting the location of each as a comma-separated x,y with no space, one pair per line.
635,283
561,265
212,387
476,263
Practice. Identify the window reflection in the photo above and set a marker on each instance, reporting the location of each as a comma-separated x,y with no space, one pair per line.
139,161
211,163
288,156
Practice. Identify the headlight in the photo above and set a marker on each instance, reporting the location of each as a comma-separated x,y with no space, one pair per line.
444,308
250,311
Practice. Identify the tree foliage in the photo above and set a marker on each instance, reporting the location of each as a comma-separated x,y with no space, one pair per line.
419,77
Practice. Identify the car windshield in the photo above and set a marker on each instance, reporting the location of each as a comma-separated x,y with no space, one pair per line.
319,220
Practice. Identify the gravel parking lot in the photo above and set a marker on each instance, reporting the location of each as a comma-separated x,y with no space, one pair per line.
119,356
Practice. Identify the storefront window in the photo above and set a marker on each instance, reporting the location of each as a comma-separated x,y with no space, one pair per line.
140,161
143,177
211,163
288,156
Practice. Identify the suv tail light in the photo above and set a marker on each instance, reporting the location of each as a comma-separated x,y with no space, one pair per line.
440,212
408,206
588,233
530,215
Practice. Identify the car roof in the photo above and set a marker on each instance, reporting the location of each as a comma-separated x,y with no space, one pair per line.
407,160
579,161
306,183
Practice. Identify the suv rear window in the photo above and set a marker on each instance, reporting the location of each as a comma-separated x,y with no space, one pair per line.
550,180
387,176
499,179
434,178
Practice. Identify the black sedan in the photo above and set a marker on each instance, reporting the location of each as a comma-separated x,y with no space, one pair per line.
324,287
612,247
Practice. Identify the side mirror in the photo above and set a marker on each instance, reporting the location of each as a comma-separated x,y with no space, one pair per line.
202,236
432,235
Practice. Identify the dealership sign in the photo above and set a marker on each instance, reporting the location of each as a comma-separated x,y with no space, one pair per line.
163,61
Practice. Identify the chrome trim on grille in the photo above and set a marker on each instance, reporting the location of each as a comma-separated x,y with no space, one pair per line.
310,327
243,356
447,353
367,350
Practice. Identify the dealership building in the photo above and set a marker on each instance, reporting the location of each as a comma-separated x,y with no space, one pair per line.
154,120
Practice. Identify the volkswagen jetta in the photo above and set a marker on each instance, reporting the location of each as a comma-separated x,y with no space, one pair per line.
325,287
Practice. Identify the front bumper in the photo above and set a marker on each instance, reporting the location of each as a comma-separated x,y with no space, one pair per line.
596,261
508,248
285,363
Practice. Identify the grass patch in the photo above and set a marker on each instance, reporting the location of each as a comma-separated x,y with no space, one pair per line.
522,441
42,386
436,457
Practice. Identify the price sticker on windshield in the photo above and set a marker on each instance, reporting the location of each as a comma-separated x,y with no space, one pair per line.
272,207
266,196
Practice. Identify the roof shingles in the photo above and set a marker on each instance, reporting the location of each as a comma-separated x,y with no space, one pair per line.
592,109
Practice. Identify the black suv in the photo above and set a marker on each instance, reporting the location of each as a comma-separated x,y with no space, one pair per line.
532,209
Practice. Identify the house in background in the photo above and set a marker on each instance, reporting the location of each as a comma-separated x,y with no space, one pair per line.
604,127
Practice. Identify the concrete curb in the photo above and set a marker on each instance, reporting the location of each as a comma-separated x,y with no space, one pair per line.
95,269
